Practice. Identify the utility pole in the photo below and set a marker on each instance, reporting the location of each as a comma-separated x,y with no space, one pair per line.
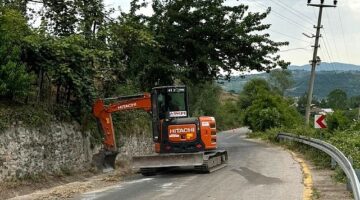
316,60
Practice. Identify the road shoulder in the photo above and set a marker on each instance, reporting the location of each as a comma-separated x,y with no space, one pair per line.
319,183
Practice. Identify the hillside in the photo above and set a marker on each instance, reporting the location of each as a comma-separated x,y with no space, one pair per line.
335,66
347,79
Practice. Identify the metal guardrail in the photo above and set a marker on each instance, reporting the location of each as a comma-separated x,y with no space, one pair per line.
335,154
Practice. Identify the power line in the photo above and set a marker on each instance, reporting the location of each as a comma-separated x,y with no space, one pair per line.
328,54
332,33
285,18
289,36
328,47
293,11
343,37
299,48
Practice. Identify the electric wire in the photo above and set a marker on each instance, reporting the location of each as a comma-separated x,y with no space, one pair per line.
293,11
333,35
286,35
283,17
343,36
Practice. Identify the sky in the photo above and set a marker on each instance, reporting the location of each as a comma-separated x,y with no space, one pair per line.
289,19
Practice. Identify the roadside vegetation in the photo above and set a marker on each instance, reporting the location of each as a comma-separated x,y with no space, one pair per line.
79,52
342,130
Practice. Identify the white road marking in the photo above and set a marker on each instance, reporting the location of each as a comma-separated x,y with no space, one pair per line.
97,193
139,180
166,185
168,189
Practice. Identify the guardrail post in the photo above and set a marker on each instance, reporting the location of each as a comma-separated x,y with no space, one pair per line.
333,163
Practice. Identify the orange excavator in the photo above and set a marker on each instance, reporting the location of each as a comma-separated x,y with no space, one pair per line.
180,140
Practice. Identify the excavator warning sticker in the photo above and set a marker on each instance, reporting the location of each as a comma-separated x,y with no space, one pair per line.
205,124
174,135
178,114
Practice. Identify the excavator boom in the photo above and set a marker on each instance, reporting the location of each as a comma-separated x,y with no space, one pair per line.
106,157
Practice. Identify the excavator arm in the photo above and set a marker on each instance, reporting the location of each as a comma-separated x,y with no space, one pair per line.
103,112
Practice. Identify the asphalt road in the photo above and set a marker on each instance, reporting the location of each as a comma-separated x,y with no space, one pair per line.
255,171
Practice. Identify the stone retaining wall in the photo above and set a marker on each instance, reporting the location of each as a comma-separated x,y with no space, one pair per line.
136,145
60,149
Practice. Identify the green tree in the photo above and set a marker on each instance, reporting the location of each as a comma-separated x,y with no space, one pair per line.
270,111
251,91
15,81
204,99
229,115
354,102
197,39
302,102
281,80
338,121
337,99
60,17
263,108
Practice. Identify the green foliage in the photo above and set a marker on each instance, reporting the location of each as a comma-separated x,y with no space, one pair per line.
204,99
337,99
229,115
264,108
337,121
29,116
349,143
196,40
15,81
302,102
80,52
251,91
354,102
281,80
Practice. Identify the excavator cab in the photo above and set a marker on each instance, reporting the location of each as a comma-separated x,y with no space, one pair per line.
168,102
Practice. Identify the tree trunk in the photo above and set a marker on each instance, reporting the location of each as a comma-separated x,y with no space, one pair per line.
58,87
40,84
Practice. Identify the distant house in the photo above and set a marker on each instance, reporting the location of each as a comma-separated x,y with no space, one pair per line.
322,111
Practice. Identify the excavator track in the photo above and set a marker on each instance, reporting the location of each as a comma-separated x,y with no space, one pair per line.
214,161
204,162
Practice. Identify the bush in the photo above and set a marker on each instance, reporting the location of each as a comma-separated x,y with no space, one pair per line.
14,80
229,115
349,143
269,111
337,121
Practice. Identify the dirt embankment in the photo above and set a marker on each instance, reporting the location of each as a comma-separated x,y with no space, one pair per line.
63,187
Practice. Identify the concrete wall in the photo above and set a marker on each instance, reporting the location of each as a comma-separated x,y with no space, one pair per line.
56,149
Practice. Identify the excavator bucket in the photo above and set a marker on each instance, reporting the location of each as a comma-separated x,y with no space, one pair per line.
105,160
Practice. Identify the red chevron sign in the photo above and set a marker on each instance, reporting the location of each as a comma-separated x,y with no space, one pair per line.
320,121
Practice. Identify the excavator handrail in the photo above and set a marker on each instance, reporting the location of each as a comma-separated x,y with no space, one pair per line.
125,97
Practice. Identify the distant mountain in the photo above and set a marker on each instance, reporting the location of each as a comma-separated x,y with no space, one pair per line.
335,66
325,82
341,76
